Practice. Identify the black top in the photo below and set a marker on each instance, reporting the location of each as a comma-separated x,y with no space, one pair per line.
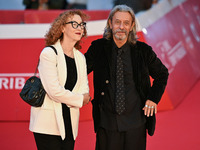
145,63
133,115
70,83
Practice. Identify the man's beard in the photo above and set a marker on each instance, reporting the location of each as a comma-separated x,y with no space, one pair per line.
120,37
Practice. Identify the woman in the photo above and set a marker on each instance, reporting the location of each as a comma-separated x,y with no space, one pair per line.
64,77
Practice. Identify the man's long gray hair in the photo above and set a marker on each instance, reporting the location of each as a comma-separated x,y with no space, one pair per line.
108,31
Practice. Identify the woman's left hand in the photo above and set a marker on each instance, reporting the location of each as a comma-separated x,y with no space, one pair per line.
150,108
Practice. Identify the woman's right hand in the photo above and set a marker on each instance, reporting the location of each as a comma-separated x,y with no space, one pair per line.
86,98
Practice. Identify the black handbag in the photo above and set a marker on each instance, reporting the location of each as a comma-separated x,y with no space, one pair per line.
33,92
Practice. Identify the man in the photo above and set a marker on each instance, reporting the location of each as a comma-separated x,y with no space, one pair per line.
136,5
124,100
45,4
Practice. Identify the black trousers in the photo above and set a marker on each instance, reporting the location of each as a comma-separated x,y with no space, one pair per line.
53,142
133,139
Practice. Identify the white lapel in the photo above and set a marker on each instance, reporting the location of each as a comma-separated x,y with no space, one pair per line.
61,64
62,76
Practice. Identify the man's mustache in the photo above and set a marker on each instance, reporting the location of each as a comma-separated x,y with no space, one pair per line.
119,30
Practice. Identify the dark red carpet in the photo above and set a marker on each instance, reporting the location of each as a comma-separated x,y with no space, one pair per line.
177,129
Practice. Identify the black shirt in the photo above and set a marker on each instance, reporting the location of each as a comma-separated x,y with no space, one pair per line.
133,115
70,83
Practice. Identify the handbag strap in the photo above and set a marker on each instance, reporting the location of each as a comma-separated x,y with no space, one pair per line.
53,49
36,69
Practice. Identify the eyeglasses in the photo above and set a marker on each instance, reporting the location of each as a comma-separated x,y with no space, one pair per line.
75,24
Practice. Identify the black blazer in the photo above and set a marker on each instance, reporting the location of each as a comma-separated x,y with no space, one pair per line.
145,63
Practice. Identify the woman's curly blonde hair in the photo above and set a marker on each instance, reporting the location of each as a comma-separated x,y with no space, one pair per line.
55,31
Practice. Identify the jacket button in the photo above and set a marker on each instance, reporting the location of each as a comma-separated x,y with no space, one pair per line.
107,81
102,93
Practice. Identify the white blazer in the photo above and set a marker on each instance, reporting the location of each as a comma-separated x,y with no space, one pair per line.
48,118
